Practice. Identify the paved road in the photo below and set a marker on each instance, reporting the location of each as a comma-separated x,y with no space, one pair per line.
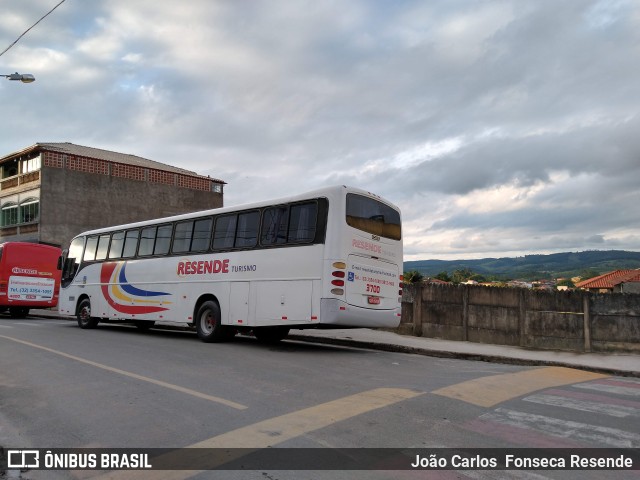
61,386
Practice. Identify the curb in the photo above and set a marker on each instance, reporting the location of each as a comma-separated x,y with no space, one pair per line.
386,347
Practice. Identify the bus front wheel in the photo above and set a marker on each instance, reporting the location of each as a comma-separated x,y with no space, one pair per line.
209,324
85,320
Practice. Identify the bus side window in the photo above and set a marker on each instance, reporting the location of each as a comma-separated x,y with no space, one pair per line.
302,223
182,237
225,231
274,226
103,247
147,240
90,250
247,231
201,235
117,242
130,244
163,240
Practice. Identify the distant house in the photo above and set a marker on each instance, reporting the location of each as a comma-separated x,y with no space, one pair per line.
624,281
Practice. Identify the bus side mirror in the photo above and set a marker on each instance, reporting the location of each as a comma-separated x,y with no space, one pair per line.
62,258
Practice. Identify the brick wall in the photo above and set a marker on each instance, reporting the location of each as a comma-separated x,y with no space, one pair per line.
123,170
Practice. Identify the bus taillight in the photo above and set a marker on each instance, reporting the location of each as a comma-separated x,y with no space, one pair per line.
339,274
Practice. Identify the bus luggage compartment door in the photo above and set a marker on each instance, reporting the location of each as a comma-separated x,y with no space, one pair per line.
284,301
239,303
371,283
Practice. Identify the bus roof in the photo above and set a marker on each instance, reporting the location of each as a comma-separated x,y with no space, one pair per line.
328,192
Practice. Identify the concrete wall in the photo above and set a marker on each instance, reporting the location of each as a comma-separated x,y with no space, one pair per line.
630,287
573,321
72,202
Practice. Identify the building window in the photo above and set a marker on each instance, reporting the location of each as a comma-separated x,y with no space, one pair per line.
10,169
9,214
29,210
31,165
216,188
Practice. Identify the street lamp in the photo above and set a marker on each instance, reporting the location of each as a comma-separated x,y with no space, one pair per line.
23,77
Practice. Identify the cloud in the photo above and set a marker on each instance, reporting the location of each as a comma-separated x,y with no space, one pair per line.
498,127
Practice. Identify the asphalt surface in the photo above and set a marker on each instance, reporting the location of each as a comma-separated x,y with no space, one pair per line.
627,364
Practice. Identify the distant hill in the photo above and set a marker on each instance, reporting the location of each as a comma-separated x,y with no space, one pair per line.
534,267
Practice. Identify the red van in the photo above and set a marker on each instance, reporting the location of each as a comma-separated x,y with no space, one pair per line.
29,277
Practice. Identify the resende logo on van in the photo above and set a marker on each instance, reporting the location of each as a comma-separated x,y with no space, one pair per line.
24,271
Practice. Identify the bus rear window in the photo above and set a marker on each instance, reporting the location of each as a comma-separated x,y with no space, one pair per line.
372,216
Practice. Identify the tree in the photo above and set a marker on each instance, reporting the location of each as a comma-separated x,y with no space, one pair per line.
565,282
444,276
462,275
412,276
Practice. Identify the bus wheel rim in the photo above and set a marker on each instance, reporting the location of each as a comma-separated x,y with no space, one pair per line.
207,322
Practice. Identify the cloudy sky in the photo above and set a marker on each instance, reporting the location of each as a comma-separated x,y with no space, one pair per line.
499,127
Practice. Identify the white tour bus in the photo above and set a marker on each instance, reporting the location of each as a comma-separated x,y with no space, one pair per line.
330,258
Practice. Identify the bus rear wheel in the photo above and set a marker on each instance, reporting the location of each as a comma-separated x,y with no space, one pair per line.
85,320
271,334
209,324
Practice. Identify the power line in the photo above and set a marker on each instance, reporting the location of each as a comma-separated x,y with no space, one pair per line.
27,30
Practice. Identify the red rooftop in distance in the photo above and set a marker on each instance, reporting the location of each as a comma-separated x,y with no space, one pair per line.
613,282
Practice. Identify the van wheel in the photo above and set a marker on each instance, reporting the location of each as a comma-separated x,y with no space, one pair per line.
270,334
18,312
85,320
209,324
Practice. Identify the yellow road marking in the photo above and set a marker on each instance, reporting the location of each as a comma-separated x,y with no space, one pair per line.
160,383
489,391
277,430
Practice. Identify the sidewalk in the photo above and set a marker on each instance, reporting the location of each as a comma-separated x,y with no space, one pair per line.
610,363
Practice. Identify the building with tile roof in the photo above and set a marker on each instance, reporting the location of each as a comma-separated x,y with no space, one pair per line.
50,192
623,281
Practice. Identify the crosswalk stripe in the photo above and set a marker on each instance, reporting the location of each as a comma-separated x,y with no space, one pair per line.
593,397
619,411
615,389
500,474
584,432
633,381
